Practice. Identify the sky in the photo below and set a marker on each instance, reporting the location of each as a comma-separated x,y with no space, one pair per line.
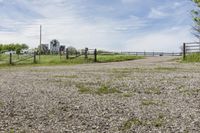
114,25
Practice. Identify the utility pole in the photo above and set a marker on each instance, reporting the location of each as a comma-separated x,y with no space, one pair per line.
40,41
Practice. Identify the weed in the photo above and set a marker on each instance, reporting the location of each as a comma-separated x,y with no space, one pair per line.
127,94
152,91
156,122
128,124
149,102
106,90
84,90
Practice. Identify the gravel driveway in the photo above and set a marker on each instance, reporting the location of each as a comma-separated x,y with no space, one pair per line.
155,94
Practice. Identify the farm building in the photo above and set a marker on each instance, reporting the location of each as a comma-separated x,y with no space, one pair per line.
54,46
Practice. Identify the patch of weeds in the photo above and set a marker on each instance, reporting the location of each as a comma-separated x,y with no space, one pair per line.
128,124
71,76
84,90
188,91
156,122
149,102
152,91
1,104
100,91
166,68
106,90
12,131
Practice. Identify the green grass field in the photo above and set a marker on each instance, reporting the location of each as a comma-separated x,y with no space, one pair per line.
192,58
57,60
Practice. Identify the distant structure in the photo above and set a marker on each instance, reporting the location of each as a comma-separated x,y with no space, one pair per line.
45,48
54,46
62,49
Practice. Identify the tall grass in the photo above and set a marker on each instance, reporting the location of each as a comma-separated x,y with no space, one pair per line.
195,57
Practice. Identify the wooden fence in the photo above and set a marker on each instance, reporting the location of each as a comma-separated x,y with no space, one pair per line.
192,47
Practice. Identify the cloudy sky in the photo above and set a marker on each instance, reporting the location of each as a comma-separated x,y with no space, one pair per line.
127,25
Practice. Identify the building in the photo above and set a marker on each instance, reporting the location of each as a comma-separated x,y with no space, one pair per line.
54,46
10,52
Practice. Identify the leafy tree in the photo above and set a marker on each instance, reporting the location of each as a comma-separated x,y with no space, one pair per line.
196,18
72,50
13,47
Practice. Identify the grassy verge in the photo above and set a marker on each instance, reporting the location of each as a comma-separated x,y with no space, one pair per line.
192,58
117,58
48,60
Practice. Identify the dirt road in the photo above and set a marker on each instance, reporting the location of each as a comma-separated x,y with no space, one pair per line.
155,94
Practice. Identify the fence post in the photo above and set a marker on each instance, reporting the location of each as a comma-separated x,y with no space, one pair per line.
86,53
95,55
184,51
10,60
34,58
67,54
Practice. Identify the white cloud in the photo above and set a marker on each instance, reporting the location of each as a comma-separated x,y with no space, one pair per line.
156,14
168,40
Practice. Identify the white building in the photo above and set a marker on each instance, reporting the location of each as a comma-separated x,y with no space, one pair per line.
54,46
12,52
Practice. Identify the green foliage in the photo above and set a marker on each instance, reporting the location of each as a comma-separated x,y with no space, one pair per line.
107,90
153,91
128,124
157,122
192,57
13,47
196,18
57,60
149,102
116,58
72,50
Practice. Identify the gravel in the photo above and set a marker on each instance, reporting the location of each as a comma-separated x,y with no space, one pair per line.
157,94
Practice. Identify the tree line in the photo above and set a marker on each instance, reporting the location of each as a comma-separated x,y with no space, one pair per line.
13,47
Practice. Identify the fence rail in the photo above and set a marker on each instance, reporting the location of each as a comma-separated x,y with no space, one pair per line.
191,47
90,54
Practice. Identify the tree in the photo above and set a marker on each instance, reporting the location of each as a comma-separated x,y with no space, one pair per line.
71,50
196,18
13,47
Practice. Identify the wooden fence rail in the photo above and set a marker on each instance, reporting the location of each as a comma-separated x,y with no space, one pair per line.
191,47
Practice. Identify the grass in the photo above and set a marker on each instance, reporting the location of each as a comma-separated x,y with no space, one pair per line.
149,102
103,90
128,124
156,122
107,90
84,90
1,104
195,57
47,60
117,58
152,91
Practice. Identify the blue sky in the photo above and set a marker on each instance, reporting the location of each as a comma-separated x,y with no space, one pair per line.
127,25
